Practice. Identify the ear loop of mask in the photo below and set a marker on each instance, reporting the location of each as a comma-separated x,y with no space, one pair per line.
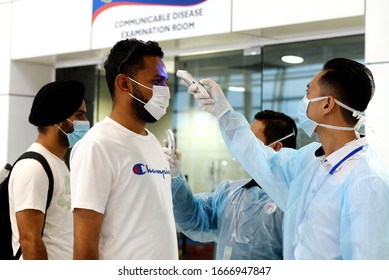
66,133
283,138
141,86
61,129
329,125
72,122
356,114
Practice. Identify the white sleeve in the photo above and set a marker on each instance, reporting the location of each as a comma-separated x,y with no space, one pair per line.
89,180
29,185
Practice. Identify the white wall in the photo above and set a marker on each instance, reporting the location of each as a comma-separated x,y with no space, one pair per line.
377,31
377,59
51,27
20,80
26,80
47,27
5,35
253,14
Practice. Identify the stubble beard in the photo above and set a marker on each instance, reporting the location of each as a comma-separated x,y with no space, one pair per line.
138,107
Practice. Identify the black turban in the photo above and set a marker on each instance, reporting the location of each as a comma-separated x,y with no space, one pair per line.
56,101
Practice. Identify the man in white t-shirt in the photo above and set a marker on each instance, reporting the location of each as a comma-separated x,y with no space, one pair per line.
120,179
58,110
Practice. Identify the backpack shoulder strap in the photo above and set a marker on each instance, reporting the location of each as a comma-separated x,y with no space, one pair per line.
46,166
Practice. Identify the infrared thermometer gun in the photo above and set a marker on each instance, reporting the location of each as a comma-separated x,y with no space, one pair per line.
189,79
171,142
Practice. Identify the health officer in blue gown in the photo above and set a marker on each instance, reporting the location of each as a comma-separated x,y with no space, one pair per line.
334,194
238,216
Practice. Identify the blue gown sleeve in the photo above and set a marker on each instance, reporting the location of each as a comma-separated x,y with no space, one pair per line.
364,231
272,170
195,215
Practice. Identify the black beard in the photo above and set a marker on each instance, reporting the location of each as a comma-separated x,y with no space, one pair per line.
139,109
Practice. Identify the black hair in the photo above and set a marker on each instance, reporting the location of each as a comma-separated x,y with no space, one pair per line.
277,126
350,82
126,57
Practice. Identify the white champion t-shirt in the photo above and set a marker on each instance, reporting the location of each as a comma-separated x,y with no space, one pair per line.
126,177
28,189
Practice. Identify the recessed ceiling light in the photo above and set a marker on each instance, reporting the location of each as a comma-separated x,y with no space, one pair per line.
292,59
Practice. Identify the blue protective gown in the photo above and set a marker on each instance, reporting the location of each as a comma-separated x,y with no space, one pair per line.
244,223
325,216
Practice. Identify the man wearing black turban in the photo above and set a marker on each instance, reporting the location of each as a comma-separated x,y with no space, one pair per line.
58,110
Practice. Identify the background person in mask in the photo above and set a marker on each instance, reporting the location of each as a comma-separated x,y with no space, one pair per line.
239,216
58,110
121,200
335,194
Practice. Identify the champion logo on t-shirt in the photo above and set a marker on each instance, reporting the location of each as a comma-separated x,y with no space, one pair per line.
141,169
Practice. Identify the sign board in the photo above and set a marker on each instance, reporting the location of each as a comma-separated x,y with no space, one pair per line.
157,20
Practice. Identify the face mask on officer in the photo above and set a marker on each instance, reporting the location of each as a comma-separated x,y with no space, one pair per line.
309,125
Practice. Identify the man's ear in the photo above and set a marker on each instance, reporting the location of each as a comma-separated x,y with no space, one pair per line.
277,146
122,83
329,105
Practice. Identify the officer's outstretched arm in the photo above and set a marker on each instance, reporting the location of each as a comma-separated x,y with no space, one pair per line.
251,153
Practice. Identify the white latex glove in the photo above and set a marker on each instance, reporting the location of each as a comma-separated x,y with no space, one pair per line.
214,100
175,165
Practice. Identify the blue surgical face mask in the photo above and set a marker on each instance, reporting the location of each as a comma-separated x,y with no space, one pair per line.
309,125
80,129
